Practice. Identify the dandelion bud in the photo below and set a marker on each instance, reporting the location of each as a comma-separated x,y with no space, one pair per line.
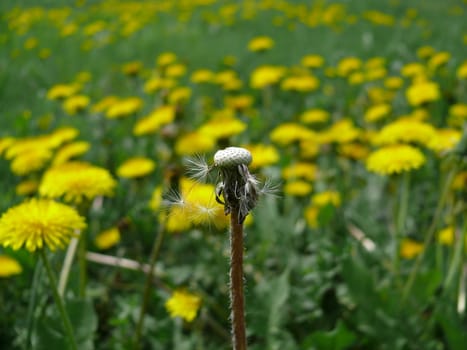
231,157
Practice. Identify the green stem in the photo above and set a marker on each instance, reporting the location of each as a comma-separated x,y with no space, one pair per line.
83,275
59,302
156,248
401,219
65,273
32,302
431,231
456,261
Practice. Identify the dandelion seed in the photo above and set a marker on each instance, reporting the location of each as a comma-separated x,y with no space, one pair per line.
198,168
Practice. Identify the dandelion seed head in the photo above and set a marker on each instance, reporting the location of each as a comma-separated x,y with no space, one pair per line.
232,156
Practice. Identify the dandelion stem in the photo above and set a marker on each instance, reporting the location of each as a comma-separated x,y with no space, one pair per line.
83,277
236,281
58,300
456,262
431,231
156,248
32,302
400,219
70,254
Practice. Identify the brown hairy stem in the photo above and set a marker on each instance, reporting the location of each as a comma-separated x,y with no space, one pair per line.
236,282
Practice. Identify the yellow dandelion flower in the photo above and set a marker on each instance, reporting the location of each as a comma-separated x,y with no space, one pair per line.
224,77
266,75
304,83
298,188
157,83
36,223
302,170
108,238
311,216
263,155
260,43
348,65
312,61
405,130
393,83
288,133
375,62
179,95
69,151
76,181
156,199
377,94
356,78
30,161
461,71
5,143
309,148
425,51
460,181
201,207
233,85
9,266
413,69
31,43
175,70
354,151
327,197
166,58
342,131
132,68
183,304
409,248
377,112
375,74
136,167
458,110
314,115
83,77
74,104
124,107
61,91
222,125
444,140
422,92
202,76
239,102
194,143
177,220
446,235
104,104
27,187
229,60
151,123
457,115
438,59
62,135
395,159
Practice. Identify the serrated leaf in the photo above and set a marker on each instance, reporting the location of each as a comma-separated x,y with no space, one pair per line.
337,339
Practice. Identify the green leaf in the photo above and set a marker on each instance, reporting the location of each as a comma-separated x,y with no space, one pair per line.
454,331
49,332
326,214
337,339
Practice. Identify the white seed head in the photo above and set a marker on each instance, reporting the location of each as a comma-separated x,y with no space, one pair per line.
232,156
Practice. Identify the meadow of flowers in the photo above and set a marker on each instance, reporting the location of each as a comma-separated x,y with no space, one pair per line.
113,226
